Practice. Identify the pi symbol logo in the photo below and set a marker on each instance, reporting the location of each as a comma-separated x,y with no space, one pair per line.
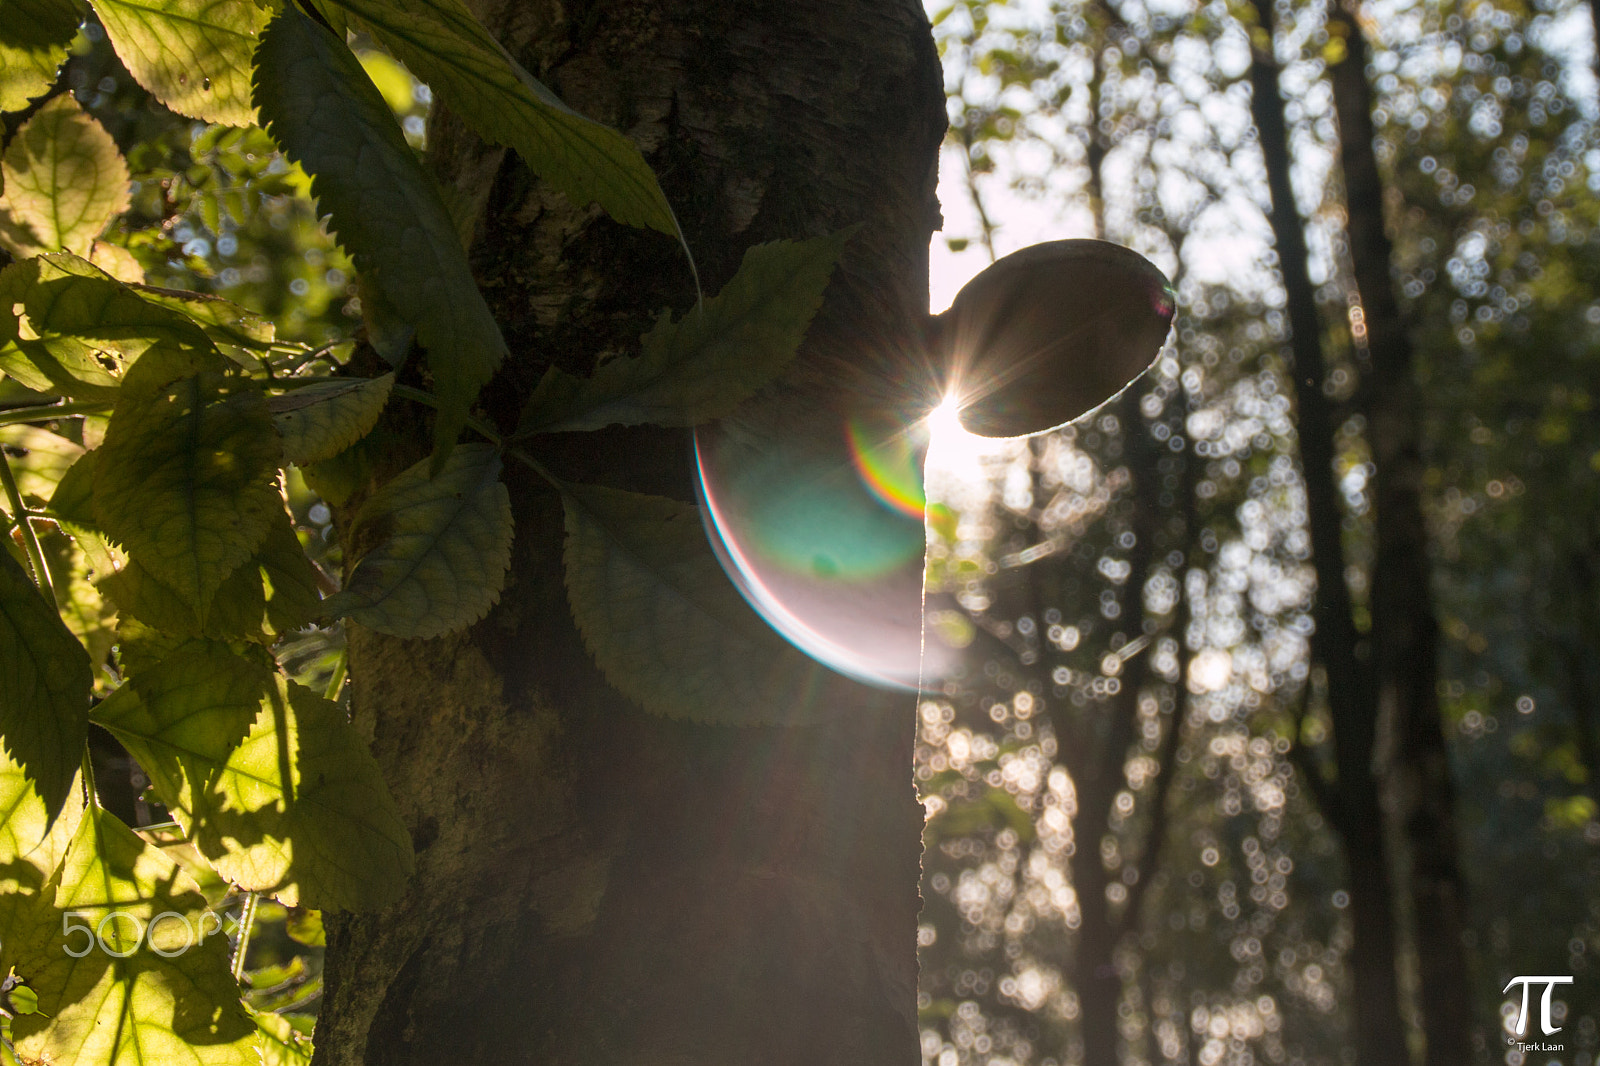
1544,1001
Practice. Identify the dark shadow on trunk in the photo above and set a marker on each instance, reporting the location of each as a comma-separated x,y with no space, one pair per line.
595,885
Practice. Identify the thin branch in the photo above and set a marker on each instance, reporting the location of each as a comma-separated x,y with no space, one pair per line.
30,541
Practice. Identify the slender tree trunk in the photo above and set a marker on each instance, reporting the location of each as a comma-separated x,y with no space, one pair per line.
1577,654
1380,1034
1594,20
1405,632
596,886
1094,749
1095,146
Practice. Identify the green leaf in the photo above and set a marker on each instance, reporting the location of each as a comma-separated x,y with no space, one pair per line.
116,261
305,927
31,847
171,1000
300,810
182,716
443,550
87,614
23,1000
64,180
224,321
193,55
39,459
319,421
45,679
703,365
33,44
325,112
338,478
272,593
448,48
184,479
281,1043
73,500
67,326
664,624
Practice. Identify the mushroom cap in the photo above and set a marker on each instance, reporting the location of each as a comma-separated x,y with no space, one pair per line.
1050,332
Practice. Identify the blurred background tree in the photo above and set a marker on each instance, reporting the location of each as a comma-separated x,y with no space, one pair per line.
1277,736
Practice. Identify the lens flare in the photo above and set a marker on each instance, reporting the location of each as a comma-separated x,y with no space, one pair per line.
822,531
890,467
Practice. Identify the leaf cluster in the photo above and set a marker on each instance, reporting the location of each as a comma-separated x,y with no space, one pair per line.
155,580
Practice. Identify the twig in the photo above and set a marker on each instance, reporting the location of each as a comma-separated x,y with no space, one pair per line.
46,412
247,920
30,542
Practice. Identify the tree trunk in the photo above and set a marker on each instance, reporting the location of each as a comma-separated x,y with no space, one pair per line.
595,885
1093,745
1405,633
1096,146
1380,1034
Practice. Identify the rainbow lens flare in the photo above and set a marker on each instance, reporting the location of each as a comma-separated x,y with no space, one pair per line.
822,531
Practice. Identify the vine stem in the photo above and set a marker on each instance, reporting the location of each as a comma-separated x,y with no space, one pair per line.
87,765
43,413
30,542
341,670
478,425
247,921
406,392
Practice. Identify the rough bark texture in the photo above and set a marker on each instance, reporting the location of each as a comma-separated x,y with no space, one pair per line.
1357,813
595,885
1405,632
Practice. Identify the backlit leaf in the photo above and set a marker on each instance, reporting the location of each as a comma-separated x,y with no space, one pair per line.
39,458
67,326
44,687
64,179
30,845
704,364
300,810
116,261
33,44
271,593
182,716
444,550
73,499
281,1043
88,615
323,109
171,1000
224,321
447,47
319,421
665,625
193,55
184,480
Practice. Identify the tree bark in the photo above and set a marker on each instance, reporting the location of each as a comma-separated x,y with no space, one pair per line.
1380,1034
595,885
1405,632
